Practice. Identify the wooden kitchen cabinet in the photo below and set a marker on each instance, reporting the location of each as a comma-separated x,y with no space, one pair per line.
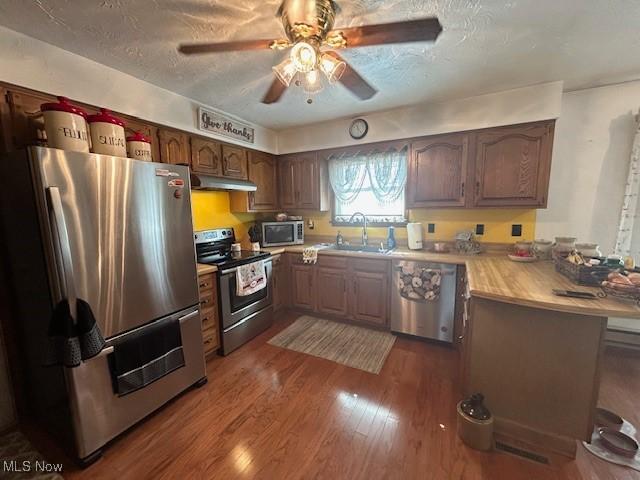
438,171
262,170
206,156
370,300
280,282
303,293
512,165
174,146
303,182
234,162
332,291
25,124
209,313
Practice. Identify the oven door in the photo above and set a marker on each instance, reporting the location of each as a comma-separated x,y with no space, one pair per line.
233,307
278,233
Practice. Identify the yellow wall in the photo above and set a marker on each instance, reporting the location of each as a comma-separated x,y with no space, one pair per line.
497,224
211,210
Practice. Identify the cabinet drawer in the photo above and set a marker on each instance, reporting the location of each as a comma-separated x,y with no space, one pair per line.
207,299
366,265
209,320
330,261
210,341
206,282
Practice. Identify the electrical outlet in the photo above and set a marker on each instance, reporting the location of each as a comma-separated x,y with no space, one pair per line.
431,228
516,230
480,229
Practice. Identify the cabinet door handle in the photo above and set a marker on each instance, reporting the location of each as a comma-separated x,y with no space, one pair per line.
462,193
204,285
478,187
204,302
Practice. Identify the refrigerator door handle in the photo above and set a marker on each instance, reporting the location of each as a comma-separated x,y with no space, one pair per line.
63,247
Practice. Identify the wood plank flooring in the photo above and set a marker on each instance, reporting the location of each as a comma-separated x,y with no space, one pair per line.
271,413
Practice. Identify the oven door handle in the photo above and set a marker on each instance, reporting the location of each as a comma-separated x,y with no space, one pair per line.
235,269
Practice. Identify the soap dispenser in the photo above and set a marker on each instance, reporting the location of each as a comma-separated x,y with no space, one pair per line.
339,239
391,238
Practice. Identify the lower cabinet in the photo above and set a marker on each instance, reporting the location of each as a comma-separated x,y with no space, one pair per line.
279,282
348,288
303,286
209,312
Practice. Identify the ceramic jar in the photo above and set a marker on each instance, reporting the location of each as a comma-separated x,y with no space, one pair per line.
65,125
107,134
589,249
542,249
563,246
139,147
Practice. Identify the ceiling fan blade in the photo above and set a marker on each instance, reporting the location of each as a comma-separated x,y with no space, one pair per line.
423,30
354,82
274,93
199,48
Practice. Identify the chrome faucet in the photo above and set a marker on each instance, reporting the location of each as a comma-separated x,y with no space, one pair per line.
365,238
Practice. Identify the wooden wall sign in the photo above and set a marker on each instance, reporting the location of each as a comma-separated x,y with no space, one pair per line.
214,122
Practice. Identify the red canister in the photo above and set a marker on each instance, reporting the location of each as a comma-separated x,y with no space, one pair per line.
65,125
107,134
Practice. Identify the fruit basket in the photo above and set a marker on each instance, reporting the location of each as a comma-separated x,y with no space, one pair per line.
626,292
588,275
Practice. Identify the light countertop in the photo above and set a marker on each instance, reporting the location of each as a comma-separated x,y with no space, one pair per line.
204,269
493,276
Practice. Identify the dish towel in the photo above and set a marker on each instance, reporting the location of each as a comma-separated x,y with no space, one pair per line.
419,284
310,255
250,278
72,341
145,356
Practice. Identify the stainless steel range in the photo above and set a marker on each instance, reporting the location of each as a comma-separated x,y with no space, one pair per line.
241,317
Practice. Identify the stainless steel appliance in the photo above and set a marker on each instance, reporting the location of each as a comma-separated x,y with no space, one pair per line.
424,318
241,317
275,234
118,233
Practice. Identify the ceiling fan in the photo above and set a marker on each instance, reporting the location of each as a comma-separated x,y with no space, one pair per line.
308,25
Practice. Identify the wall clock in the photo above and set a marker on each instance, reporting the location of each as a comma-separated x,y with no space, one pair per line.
359,128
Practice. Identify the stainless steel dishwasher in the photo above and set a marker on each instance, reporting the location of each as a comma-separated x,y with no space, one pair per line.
413,314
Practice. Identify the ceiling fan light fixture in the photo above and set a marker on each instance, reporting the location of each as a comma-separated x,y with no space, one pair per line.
304,57
332,67
312,82
285,71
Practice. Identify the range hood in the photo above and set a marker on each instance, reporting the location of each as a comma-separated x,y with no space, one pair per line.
205,182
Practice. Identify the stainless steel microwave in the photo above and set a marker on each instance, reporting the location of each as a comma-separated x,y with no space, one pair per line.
290,232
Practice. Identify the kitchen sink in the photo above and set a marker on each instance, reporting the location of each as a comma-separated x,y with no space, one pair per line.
362,248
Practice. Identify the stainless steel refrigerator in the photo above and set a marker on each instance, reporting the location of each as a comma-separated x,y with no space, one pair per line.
118,234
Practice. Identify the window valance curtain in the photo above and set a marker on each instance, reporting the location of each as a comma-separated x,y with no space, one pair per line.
386,172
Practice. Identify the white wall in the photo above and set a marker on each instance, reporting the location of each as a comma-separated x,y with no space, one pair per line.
31,63
591,152
537,102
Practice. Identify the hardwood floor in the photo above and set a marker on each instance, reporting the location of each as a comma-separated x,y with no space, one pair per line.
270,413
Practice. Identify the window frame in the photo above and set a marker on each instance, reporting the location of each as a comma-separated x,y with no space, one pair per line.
367,149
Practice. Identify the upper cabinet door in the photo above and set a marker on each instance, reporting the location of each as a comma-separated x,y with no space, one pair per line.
513,165
307,180
206,156
437,172
174,146
263,172
234,162
287,182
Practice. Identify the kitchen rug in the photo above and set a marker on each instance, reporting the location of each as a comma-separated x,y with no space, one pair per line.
20,461
599,450
348,345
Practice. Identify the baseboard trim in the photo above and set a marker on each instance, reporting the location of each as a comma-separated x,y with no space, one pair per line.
510,432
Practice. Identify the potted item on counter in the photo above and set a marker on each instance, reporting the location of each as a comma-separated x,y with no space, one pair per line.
542,249
589,249
65,125
563,246
107,134
139,147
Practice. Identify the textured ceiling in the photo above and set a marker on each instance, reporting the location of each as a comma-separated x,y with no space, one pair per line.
486,46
